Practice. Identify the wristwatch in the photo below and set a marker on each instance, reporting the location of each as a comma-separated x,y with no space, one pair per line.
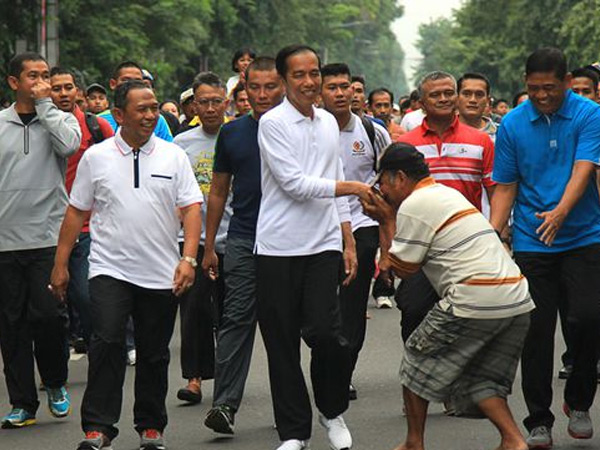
190,260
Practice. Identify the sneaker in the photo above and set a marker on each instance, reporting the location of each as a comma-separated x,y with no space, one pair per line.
59,402
220,419
79,346
192,393
580,424
131,357
352,393
540,438
18,418
152,440
384,302
94,440
337,432
293,444
565,371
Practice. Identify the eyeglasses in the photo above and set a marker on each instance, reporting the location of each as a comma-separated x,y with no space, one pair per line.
205,102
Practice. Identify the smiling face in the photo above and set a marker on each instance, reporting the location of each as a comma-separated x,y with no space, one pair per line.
243,62
303,80
546,91
472,99
64,92
439,98
337,94
139,116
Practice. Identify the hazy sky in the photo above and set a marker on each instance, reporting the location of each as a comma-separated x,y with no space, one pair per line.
406,28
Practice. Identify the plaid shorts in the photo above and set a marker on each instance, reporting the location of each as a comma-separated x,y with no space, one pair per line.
465,361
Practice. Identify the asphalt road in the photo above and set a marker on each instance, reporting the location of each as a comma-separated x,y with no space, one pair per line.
375,419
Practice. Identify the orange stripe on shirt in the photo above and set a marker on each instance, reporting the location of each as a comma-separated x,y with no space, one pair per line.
403,268
459,215
493,281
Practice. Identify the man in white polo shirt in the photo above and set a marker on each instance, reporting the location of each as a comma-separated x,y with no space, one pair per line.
299,244
134,185
468,346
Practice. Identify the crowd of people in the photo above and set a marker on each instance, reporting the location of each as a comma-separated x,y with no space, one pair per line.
285,197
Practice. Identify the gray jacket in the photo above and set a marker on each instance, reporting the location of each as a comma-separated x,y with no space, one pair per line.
33,161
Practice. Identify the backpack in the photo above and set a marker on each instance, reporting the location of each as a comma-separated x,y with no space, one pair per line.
370,129
94,126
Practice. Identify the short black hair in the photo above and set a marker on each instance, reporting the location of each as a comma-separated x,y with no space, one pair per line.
405,157
380,90
291,50
124,65
414,96
358,79
161,104
584,72
516,98
238,54
261,63
547,59
474,76
333,69
60,71
237,89
121,92
208,78
497,101
15,65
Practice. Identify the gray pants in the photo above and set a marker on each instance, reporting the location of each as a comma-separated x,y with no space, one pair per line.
235,338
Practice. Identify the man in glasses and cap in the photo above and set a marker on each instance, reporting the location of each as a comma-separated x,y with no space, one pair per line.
468,346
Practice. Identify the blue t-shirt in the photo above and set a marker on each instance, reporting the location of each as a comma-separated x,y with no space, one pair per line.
538,152
161,130
237,153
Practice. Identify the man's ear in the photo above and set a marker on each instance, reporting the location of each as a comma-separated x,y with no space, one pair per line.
13,82
118,115
112,84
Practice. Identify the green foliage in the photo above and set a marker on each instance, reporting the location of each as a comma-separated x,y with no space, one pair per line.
175,39
495,38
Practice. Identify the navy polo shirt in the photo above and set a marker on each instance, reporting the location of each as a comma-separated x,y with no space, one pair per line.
237,153
538,152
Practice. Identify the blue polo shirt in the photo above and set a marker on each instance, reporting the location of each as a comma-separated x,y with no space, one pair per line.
161,130
238,154
538,152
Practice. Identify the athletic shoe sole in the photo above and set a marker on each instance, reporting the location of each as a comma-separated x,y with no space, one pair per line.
574,435
188,396
218,423
8,425
62,415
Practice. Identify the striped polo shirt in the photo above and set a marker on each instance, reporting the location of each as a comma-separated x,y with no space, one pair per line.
438,230
462,158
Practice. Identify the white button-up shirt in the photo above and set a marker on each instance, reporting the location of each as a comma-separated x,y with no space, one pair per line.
133,199
300,162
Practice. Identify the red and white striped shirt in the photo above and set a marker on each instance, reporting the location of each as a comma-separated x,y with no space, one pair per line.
462,158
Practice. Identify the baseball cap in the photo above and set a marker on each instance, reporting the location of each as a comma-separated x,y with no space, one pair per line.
95,87
186,95
404,157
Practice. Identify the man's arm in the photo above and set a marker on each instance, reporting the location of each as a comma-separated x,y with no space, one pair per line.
65,134
69,231
501,204
192,227
553,220
217,198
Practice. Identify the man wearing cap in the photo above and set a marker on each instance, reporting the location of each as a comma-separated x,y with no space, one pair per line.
188,107
468,346
97,101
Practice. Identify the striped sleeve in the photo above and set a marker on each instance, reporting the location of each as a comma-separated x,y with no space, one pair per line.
410,245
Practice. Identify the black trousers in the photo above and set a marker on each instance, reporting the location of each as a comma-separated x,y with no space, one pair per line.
573,273
32,324
200,312
381,288
153,313
297,297
415,297
355,296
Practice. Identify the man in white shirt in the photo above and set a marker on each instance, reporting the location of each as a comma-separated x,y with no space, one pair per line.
468,346
133,185
361,143
299,244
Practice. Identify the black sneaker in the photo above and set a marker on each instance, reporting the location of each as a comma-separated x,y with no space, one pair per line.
565,371
220,419
94,440
152,440
352,394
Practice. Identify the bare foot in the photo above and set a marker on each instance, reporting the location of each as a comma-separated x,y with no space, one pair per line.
408,447
516,446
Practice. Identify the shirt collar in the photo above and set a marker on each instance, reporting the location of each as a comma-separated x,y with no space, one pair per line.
565,110
295,115
425,126
351,123
125,149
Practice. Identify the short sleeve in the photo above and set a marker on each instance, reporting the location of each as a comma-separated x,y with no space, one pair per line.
505,158
588,144
411,243
488,161
188,191
82,193
222,162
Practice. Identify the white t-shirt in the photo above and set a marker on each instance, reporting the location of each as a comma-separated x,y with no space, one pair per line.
134,222
412,120
200,149
438,229
300,162
232,83
359,159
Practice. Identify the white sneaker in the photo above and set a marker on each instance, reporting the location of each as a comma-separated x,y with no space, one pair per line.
131,357
384,302
337,432
293,444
